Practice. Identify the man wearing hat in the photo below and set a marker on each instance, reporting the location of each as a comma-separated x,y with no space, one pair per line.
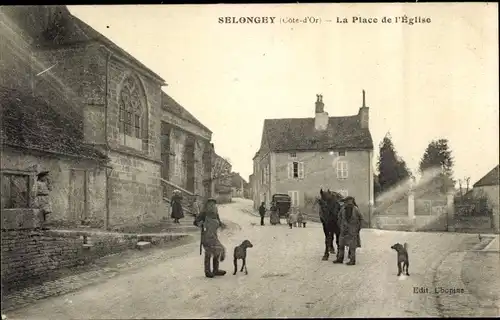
43,189
350,224
209,221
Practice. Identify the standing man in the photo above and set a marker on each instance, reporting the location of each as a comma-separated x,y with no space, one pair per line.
262,212
215,252
43,188
350,225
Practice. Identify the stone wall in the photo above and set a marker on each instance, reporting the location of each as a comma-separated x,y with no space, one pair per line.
491,192
223,198
135,191
180,129
263,192
80,69
150,92
34,255
67,180
419,214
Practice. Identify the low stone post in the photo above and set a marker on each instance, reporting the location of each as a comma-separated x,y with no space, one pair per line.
411,211
450,211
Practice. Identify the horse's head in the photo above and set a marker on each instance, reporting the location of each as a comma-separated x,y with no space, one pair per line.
329,201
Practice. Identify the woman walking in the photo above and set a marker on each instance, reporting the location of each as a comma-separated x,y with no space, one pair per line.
176,203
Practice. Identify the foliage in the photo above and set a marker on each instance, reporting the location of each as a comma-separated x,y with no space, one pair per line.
376,185
221,170
438,155
392,169
473,204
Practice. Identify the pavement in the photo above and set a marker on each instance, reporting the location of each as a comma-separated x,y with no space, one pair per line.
287,278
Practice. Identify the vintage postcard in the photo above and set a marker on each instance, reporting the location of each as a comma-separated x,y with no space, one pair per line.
250,161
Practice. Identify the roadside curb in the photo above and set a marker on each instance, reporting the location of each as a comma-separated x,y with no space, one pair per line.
448,275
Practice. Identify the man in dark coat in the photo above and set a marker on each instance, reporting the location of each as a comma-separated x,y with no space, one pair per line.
262,212
209,221
350,225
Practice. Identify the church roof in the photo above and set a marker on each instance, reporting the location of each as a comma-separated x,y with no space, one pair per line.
55,26
31,122
175,108
490,179
299,134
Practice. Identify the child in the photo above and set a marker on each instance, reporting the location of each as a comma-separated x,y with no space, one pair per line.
292,218
302,219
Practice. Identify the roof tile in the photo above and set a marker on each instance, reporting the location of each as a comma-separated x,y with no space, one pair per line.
490,179
299,134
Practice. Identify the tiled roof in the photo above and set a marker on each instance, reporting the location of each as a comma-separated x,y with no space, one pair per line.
68,30
299,134
30,122
174,107
490,179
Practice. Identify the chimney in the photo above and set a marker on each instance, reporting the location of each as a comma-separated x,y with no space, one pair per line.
321,117
363,114
320,106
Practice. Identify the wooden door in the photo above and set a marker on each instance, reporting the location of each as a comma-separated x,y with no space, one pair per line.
77,195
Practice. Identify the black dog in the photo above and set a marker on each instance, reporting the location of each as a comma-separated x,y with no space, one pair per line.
403,261
240,252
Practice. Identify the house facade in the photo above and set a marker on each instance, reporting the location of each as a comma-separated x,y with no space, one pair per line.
151,143
300,156
221,179
489,186
238,186
250,188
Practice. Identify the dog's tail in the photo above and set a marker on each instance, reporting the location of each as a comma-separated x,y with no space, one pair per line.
405,246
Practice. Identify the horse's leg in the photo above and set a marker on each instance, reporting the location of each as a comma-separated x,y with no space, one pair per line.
331,233
330,242
325,230
336,230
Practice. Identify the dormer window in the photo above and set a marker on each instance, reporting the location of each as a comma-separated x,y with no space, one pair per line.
342,153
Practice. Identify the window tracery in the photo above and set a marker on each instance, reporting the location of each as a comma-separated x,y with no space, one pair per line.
131,109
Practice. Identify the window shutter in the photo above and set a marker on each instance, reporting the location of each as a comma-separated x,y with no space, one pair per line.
346,170
297,198
301,170
339,170
290,170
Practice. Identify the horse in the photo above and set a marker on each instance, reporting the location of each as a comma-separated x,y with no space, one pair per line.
329,208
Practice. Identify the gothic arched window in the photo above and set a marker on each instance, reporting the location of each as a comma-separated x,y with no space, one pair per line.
132,111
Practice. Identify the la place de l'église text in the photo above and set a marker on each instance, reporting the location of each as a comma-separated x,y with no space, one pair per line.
247,20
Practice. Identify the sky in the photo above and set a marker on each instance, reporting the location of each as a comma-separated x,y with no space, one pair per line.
422,81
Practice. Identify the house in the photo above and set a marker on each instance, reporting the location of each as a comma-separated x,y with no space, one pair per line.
221,179
300,156
250,187
238,185
489,186
119,114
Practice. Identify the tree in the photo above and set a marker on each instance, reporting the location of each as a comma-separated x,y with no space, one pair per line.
392,169
438,155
